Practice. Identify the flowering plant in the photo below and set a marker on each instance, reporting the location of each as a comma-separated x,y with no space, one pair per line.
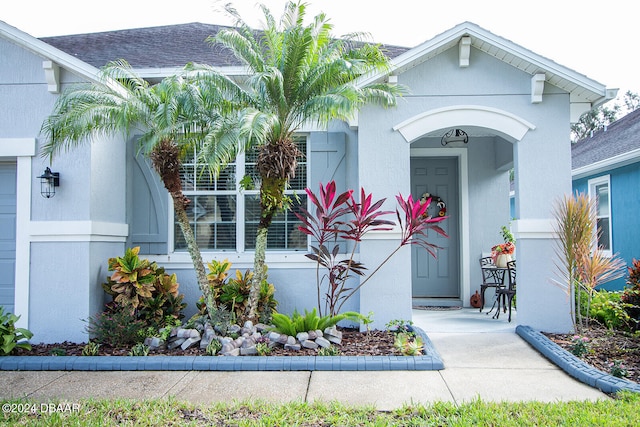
503,249
579,345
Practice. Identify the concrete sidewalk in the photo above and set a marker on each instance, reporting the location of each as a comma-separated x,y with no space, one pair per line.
483,357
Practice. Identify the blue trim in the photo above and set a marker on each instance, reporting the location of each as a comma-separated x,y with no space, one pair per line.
430,361
574,366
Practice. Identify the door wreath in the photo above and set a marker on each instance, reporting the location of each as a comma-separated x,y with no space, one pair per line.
440,204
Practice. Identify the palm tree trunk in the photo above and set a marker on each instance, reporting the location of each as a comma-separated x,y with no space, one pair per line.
259,271
166,161
194,252
271,201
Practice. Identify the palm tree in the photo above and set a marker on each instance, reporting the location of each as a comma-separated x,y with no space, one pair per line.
172,115
297,74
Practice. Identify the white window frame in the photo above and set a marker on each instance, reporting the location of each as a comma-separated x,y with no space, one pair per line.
240,249
593,184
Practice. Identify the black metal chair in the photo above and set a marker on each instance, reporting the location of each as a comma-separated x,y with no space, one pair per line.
507,293
492,277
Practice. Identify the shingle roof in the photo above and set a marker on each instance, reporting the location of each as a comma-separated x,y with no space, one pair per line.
156,47
620,137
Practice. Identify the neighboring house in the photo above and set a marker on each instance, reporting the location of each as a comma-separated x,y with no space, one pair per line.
514,105
606,166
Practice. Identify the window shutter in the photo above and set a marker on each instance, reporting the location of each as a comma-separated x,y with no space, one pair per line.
327,159
147,211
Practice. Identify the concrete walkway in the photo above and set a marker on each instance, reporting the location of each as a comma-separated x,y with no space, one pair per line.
483,357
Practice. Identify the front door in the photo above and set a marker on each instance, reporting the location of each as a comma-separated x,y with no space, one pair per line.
439,277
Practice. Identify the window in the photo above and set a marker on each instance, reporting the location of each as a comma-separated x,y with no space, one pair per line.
225,217
599,189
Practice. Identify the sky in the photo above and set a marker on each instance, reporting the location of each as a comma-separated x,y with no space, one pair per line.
592,37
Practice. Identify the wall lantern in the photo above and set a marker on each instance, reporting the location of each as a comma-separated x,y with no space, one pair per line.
48,183
454,135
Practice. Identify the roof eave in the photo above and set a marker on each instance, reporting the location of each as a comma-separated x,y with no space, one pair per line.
40,48
598,93
604,165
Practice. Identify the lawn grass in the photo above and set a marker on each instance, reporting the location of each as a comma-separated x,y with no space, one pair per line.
621,411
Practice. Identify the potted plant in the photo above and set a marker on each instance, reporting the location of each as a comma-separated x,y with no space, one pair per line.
503,252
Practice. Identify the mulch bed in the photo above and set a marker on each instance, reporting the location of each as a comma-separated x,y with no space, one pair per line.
354,343
606,346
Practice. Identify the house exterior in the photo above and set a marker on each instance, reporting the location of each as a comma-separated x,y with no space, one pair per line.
606,166
514,105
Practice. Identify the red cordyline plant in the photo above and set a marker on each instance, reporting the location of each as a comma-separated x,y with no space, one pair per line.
339,217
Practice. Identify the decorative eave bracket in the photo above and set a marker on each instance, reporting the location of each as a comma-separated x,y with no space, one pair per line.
464,51
52,75
537,87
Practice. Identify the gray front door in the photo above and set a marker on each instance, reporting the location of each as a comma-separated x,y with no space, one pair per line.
439,277
7,235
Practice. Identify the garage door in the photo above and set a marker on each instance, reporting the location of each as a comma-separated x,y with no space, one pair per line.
7,234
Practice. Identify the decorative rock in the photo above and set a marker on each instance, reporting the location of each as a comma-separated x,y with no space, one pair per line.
188,333
248,351
226,348
319,333
154,343
176,343
291,340
302,336
248,342
312,335
208,336
295,347
233,352
273,336
333,335
309,344
248,324
333,339
323,342
205,341
261,327
283,339
189,342
333,331
233,329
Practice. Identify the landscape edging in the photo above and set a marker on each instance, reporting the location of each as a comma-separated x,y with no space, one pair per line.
430,361
573,365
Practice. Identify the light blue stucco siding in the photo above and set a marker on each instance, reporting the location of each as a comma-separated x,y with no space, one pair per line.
625,208
65,241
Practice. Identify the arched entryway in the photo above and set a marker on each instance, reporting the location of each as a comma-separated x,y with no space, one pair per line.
444,169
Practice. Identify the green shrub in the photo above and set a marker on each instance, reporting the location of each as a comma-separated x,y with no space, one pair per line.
91,349
144,289
292,325
400,326
631,294
213,347
139,350
580,345
12,337
232,293
116,327
408,344
609,309
332,350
